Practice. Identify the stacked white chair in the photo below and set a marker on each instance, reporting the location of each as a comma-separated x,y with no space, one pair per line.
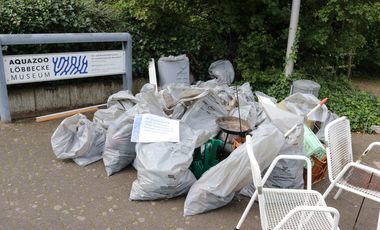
288,208
341,167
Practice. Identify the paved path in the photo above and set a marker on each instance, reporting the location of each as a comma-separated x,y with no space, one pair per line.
41,192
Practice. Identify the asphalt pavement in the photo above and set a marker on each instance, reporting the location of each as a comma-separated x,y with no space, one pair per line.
39,191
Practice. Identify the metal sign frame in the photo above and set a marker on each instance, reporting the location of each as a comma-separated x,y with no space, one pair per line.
31,39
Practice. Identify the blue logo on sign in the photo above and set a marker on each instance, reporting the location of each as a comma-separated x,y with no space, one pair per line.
70,65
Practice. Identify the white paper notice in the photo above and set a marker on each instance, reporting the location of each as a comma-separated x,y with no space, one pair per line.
151,128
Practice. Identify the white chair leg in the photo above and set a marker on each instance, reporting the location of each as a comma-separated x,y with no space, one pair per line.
246,211
337,194
328,190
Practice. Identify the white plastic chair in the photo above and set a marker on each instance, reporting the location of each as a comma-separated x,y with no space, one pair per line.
288,208
340,162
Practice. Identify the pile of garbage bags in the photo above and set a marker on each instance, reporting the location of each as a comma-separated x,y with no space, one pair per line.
163,167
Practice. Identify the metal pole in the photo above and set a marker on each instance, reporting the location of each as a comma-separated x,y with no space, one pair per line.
292,36
128,83
127,77
5,113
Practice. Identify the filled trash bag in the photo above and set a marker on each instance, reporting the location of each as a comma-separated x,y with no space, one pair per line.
247,112
104,117
300,104
218,185
95,153
331,116
176,98
287,173
123,99
173,69
117,104
163,167
148,100
119,151
77,137
202,114
223,71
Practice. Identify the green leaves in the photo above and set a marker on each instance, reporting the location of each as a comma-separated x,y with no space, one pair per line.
46,16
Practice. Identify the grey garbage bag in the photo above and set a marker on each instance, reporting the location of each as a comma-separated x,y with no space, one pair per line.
97,148
223,71
218,185
245,94
77,136
287,173
202,115
300,104
123,99
175,98
148,100
330,117
119,151
247,112
117,104
248,190
104,117
163,167
173,69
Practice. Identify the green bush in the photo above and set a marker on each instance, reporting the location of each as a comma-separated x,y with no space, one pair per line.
251,33
49,16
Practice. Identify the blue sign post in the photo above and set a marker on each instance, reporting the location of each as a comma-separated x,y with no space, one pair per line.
76,64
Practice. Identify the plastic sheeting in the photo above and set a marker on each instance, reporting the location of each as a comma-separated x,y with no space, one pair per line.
163,167
77,136
218,185
223,71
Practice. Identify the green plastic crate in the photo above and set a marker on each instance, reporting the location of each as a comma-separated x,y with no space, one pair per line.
312,145
204,161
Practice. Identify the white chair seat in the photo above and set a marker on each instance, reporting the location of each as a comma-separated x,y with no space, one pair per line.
357,180
279,202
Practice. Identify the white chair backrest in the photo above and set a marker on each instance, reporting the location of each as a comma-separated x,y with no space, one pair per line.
339,146
255,168
257,181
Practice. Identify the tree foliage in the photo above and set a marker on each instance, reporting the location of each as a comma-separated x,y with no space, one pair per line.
333,36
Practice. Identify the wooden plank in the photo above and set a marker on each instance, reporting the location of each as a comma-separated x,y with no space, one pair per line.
68,113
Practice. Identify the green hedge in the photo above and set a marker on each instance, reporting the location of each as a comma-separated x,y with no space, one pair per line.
250,33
